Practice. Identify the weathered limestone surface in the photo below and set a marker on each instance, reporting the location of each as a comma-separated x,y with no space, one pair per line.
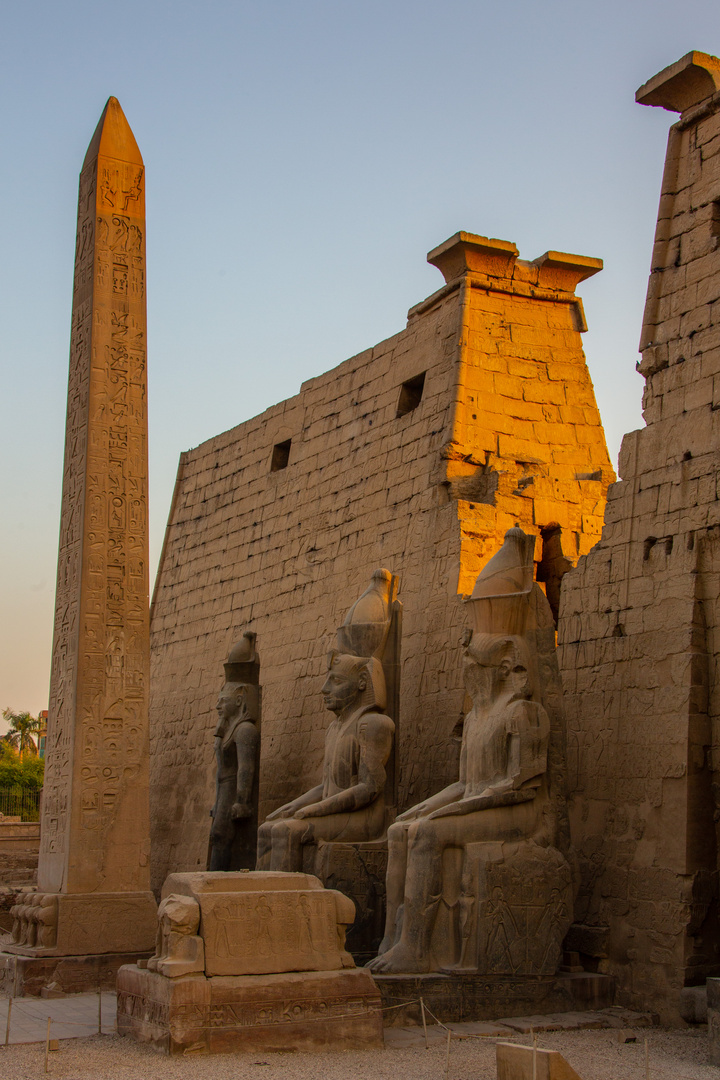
282,538
250,961
640,617
93,875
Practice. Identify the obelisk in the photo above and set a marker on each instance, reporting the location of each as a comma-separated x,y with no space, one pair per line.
95,828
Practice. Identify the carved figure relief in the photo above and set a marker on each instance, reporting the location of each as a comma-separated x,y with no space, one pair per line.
35,920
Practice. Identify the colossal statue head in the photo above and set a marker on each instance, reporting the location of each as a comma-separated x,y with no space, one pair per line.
353,680
240,693
496,662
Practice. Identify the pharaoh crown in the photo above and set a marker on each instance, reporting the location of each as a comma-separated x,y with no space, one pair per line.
243,662
500,600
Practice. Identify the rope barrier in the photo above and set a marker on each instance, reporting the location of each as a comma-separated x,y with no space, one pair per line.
25,1012
468,1034
32,1015
58,1020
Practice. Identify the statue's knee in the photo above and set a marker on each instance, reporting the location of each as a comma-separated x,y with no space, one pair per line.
423,834
413,829
395,833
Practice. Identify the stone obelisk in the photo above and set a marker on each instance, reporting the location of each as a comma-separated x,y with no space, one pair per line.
95,829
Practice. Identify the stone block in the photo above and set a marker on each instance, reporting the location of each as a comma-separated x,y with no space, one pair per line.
528,1063
514,910
267,922
694,1004
255,1013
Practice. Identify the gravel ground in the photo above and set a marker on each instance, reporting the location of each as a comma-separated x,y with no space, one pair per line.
595,1055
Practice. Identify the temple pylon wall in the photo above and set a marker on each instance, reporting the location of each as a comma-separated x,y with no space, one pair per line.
416,455
639,629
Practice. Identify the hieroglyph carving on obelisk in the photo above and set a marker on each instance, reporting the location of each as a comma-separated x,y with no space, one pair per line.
95,818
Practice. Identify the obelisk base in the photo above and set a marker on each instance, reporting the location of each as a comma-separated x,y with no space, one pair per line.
82,924
76,941
29,976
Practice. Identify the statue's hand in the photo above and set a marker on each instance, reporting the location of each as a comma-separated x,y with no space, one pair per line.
240,811
281,812
306,811
413,812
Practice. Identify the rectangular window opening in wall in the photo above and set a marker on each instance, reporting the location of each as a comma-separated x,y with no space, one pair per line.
280,456
715,219
411,393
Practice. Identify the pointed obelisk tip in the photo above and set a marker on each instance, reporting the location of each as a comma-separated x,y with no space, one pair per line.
113,137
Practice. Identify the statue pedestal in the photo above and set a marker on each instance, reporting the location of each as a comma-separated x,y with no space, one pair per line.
504,911
250,961
312,1010
456,998
358,871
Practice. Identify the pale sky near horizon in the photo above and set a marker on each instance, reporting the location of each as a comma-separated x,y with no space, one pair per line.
302,158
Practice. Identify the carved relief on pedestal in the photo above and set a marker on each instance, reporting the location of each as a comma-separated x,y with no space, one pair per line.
35,920
255,923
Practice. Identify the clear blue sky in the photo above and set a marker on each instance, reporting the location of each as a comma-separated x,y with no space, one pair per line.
302,157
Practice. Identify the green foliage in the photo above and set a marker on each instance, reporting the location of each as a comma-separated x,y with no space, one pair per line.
22,728
20,766
25,772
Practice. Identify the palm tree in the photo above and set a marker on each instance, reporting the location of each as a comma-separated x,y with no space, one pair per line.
22,728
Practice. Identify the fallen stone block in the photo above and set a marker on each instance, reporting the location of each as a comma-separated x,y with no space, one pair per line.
528,1063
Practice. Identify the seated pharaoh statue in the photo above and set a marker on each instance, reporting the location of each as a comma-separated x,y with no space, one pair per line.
478,880
349,804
